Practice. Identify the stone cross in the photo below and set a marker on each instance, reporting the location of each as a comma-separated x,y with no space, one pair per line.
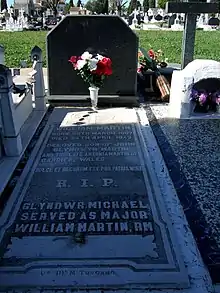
191,9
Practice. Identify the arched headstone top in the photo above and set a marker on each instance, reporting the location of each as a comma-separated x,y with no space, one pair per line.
36,54
202,69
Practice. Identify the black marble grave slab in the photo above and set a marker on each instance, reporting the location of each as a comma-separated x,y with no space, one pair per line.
107,35
190,148
85,214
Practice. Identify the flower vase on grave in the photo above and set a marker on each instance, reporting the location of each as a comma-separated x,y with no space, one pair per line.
94,93
93,68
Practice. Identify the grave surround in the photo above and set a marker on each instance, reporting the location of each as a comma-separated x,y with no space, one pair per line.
107,35
89,206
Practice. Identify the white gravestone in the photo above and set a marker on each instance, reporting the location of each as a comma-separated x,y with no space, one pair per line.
182,83
38,87
11,131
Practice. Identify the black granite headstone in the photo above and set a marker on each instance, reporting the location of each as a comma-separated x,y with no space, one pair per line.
214,21
171,20
107,35
158,17
130,18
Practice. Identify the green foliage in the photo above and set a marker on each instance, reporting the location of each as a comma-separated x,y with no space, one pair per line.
162,3
146,5
132,6
18,45
98,6
66,8
152,3
3,5
90,5
91,79
170,43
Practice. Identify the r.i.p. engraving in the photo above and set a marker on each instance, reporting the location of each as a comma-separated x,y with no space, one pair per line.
88,203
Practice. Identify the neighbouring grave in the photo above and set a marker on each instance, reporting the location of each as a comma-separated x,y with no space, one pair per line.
103,34
199,74
88,213
190,148
214,21
191,10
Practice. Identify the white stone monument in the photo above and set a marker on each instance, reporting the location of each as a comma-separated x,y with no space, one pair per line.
182,83
177,26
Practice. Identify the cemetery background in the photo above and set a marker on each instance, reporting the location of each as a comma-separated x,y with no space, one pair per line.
18,45
158,122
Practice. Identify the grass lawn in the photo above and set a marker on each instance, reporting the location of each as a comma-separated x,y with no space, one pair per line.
19,44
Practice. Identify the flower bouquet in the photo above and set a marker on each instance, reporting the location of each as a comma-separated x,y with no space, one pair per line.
93,68
150,61
205,101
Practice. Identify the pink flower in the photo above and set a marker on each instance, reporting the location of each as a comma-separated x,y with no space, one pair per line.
202,98
218,100
73,59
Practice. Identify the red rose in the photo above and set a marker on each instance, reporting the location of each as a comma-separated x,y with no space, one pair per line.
104,67
151,54
73,59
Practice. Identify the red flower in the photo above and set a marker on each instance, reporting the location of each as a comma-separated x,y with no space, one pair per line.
151,54
104,67
73,59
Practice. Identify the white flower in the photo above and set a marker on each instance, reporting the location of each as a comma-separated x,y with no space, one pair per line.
99,57
86,56
93,64
80,64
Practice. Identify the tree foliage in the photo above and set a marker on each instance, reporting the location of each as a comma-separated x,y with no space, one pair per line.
162,3
146,5
132,6
98,6
51,4
152,3
4,5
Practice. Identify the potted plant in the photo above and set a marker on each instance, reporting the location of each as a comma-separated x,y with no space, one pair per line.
93,68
